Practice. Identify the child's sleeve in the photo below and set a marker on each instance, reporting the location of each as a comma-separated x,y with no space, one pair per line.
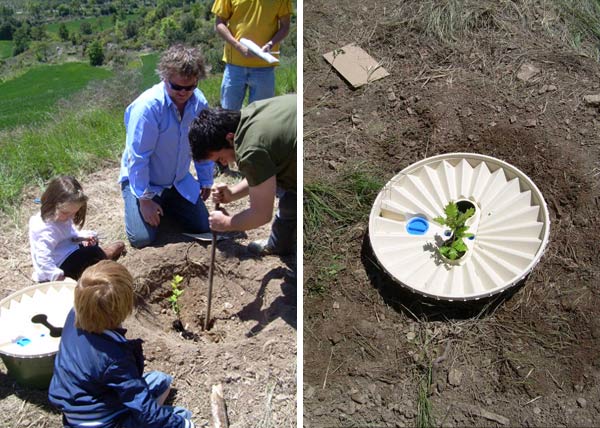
42,245
134,394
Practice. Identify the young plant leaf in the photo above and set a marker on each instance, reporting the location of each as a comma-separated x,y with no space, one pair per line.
455,247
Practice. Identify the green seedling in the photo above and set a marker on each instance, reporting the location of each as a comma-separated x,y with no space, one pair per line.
176,293
454,247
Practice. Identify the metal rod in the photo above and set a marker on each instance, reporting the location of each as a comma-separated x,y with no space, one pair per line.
211,272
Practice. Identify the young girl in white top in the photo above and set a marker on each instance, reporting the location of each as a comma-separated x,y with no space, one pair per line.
58,248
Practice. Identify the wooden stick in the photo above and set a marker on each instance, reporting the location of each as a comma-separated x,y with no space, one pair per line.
218,407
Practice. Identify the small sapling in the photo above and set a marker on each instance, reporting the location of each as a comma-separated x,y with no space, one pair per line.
454,247
176,292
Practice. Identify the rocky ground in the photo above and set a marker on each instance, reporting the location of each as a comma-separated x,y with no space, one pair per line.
377,355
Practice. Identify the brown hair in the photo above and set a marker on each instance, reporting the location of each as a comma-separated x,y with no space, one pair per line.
208,131
183,60
63,190
103,297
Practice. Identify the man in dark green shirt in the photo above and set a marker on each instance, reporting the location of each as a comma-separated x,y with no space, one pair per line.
261,138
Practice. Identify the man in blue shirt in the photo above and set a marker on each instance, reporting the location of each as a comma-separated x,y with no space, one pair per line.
155,177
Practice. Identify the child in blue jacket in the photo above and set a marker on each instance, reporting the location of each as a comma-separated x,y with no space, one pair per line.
98,374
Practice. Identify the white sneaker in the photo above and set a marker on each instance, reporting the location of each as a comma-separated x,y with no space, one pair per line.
260,248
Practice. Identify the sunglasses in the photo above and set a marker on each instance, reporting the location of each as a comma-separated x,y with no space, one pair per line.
182,88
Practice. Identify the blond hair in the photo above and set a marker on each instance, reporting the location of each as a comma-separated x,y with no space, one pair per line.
103,297
185,61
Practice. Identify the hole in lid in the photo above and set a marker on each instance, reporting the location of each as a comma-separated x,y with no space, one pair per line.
417,226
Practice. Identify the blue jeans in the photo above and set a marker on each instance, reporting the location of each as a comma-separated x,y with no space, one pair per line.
283,231
158,382
260,82
193,218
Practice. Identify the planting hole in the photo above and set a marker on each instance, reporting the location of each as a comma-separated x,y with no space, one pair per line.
464,205
185,333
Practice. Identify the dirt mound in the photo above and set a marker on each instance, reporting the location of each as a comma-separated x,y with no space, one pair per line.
377,355
250,347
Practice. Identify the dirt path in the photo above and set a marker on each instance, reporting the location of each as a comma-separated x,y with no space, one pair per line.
378,356
250,349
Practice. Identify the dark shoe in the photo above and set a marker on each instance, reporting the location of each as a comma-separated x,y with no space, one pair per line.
260,248
290,276
115,250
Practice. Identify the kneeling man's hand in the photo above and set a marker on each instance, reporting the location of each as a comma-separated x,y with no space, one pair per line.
205,193
151,212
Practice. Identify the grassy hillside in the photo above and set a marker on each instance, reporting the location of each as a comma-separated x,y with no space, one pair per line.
74,143
149,76
30,97
99,23
6,47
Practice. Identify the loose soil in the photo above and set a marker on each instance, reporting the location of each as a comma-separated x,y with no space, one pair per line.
250,347
377,355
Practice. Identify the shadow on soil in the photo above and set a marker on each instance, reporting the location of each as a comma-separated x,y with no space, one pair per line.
38,397
283,307
422,308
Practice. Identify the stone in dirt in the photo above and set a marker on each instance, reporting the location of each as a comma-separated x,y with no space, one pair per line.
531,123
527,72
592,100
454,377
348,408
477,411
359,398
391,96
582,402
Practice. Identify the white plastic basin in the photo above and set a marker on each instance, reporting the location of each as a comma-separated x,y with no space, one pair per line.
511,228
27,348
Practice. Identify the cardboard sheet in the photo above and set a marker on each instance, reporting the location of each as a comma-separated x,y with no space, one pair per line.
355,65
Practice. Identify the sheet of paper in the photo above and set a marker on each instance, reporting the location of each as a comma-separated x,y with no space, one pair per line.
355,65
256,50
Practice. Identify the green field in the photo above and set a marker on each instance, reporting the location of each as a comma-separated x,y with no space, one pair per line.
6,47
149,76
100,23
76,143
30,97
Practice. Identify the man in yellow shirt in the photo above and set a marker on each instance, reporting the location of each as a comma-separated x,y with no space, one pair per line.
266,23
